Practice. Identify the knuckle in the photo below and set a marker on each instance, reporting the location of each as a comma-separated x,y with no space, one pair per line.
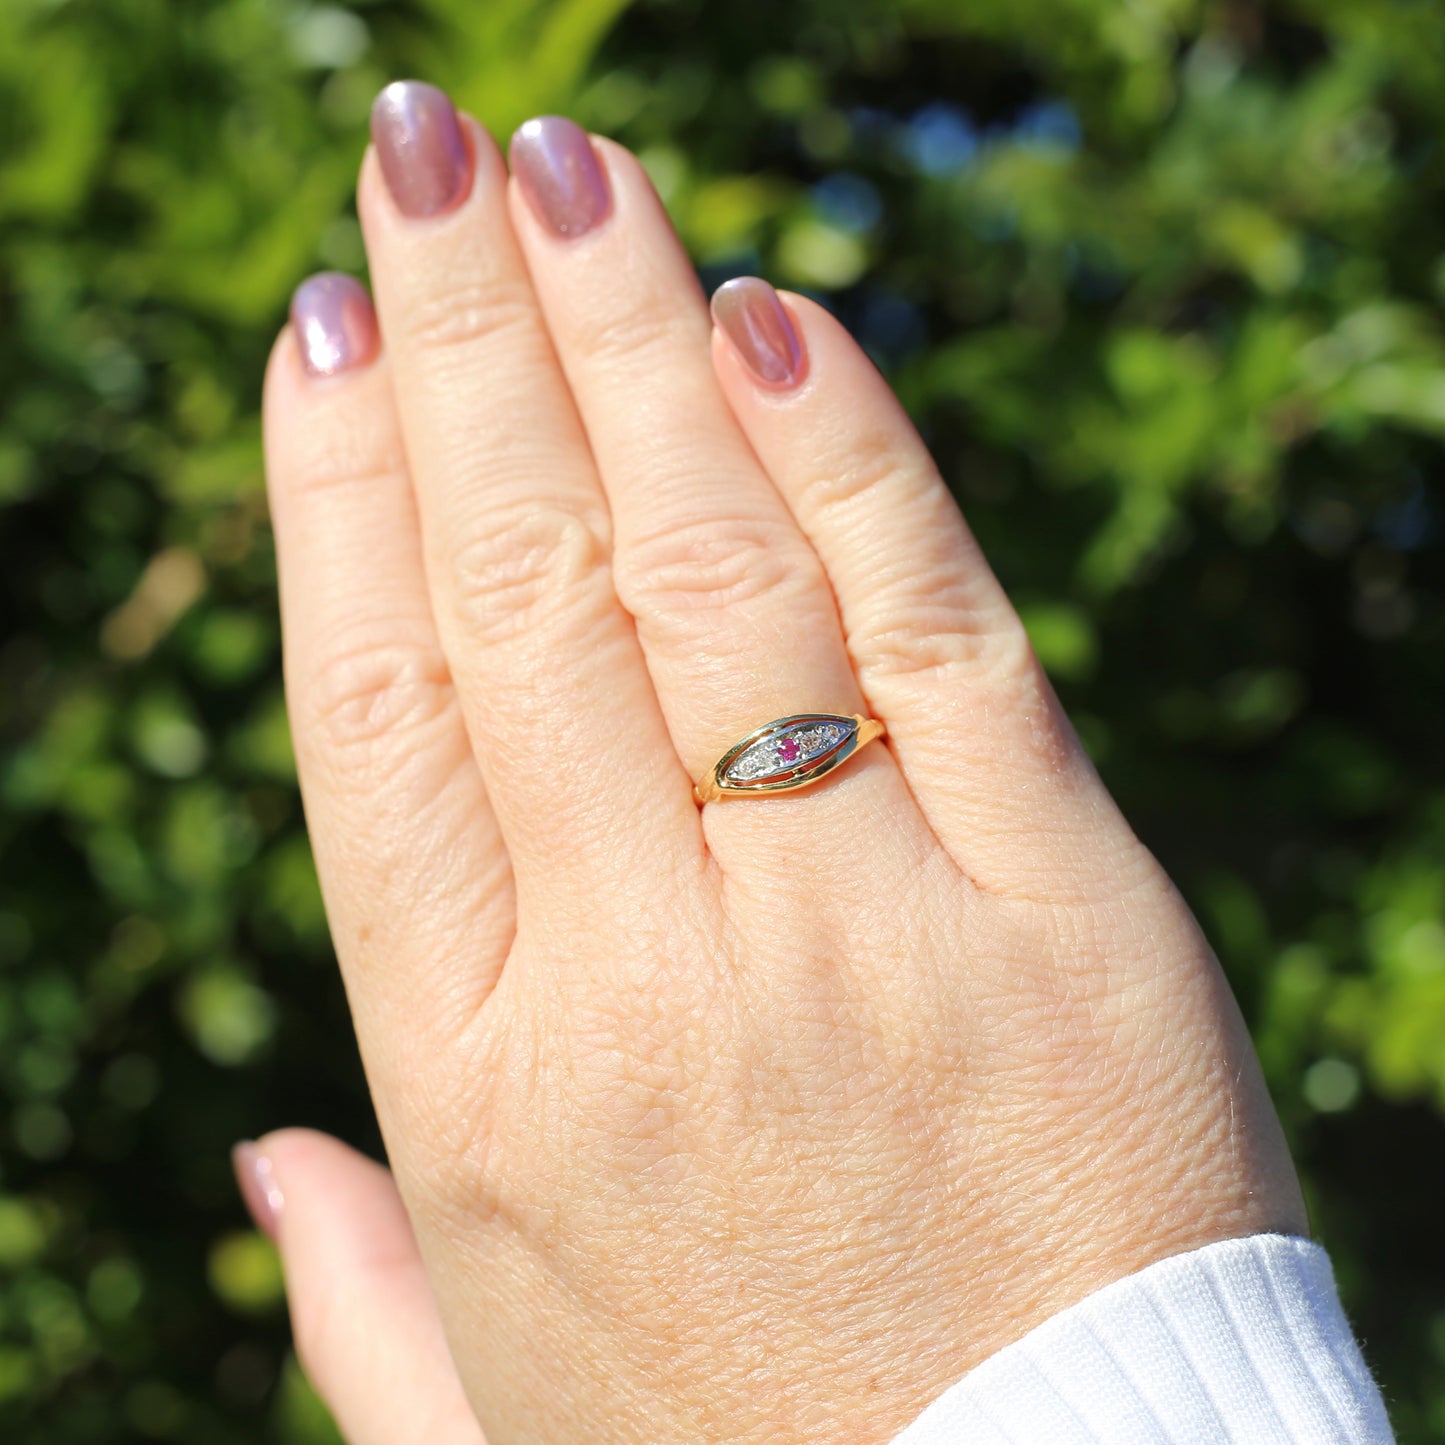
369,689
714,563
342,473
470,314
940,643
872,463
528,565
632,335
346,457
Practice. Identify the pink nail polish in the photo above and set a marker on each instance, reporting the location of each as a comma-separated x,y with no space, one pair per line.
560,175
259,1189
335,323
750,315
420,145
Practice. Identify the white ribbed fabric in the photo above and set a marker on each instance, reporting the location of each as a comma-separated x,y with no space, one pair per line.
1238,1343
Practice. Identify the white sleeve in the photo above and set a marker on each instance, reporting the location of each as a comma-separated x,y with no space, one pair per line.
1238,1343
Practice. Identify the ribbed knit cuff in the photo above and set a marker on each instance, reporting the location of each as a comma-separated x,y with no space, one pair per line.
1239,1343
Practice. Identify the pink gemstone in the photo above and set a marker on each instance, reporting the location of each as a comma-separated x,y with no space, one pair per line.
789,750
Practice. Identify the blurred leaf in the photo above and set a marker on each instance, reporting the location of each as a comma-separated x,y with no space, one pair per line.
22,1234
245,1272
1062,636
229,1018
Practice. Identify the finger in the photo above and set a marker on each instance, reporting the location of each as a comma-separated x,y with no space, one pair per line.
411,860
567,730
939,652
366,1325
732,606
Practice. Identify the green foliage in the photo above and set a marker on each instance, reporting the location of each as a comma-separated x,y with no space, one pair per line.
1162,283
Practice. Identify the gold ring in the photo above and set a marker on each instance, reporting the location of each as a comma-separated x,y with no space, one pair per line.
789,753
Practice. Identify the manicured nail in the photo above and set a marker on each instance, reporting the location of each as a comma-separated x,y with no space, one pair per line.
334,321
259,1189
419,143
560,175
752,318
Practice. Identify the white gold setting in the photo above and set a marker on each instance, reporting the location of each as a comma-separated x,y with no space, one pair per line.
787,753
786,750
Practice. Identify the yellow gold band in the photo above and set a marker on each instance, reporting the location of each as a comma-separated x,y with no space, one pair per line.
788,753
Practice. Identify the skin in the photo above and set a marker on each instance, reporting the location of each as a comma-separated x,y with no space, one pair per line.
761,1121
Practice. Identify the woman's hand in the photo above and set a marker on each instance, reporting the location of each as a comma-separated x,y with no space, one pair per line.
760,1121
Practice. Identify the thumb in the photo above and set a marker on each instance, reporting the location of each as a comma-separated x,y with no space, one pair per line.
366,1324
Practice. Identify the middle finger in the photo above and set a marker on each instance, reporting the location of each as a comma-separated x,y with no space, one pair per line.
516,529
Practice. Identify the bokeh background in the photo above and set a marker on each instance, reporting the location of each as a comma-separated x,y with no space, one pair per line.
1161,280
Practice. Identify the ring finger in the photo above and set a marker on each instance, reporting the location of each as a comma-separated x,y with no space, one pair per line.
732,606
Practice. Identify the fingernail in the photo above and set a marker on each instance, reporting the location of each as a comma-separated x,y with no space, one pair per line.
259,1190
752,318
560,176
334,323
419,143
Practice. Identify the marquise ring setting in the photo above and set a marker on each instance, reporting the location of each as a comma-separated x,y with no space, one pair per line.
787,753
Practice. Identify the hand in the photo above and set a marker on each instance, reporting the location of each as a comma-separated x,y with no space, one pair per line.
757,1121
